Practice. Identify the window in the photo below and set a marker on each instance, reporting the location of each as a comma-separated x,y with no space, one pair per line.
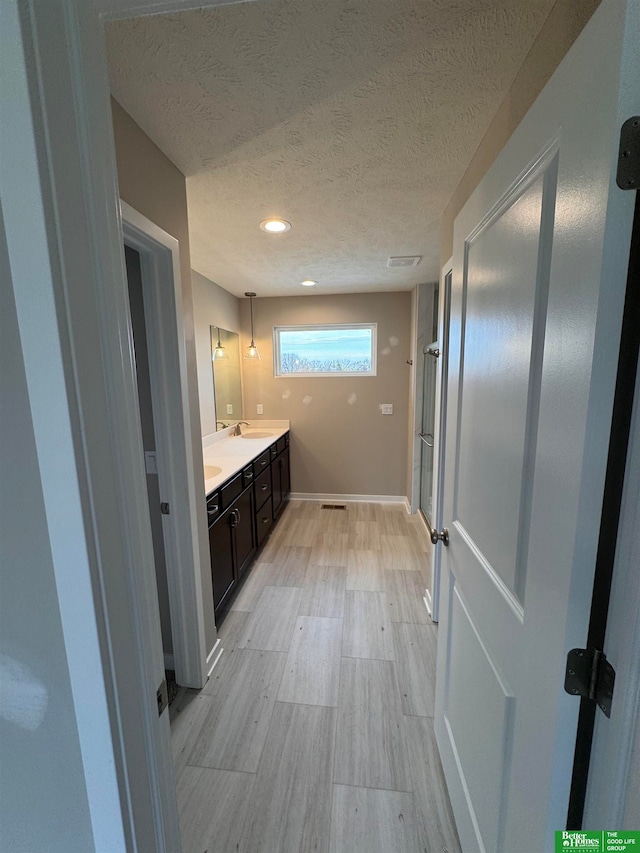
328,350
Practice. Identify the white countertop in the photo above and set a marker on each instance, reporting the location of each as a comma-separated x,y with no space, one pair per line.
225,454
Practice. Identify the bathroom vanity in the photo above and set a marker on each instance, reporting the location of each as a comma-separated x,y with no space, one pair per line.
247,483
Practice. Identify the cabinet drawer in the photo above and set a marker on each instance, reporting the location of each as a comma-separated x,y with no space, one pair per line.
281,445
263,487
231,491
261,463
264,520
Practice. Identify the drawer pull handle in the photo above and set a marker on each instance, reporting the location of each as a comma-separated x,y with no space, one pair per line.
264,487
213,509
265,520
248,475
264,462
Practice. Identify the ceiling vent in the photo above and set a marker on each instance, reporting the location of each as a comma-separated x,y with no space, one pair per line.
407,261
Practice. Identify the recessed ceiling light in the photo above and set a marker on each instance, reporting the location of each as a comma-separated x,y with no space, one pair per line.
275,226
308,282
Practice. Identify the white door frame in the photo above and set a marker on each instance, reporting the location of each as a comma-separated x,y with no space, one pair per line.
444,307
58,184
162,294
613,788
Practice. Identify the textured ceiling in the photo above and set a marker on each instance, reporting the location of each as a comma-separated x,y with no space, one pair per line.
353,119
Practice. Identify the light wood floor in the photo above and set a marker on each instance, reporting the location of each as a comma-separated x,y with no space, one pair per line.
315,730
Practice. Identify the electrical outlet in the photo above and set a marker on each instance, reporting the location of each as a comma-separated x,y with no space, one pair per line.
260,409
229,408
386,408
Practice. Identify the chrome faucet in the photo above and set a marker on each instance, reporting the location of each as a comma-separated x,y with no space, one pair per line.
238,430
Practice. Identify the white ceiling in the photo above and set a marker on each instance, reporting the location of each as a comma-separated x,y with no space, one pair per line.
352,119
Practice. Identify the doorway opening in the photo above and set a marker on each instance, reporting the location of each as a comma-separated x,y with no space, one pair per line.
148,434
153,272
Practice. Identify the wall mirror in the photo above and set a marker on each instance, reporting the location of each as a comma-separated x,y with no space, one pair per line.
227,379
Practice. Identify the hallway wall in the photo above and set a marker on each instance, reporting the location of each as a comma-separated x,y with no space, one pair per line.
564,24
151,184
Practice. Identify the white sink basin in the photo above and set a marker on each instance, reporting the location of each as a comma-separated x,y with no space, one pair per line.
211,471
256,435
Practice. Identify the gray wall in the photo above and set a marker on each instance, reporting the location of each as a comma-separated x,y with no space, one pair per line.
153,186
566,21
43,802
340,442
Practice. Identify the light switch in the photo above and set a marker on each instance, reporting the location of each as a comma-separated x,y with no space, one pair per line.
259,409
386,408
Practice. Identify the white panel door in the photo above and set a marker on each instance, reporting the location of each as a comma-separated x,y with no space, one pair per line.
540,256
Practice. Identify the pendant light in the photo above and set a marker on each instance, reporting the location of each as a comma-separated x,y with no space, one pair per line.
219,351
252,349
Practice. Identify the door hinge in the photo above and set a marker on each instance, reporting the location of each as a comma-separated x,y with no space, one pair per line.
590,675
162,697
164,508
628,175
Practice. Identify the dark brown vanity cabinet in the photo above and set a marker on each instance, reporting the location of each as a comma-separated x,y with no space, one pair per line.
241,513
231,538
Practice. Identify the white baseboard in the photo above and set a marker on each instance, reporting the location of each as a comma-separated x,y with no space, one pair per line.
407,506
427,601
421,517
169,662
213,657
317,496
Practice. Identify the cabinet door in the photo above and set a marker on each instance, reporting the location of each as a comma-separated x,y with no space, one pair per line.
281,480
245,543
276,479
286,474
221,550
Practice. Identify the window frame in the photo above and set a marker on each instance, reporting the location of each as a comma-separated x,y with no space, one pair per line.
304,327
